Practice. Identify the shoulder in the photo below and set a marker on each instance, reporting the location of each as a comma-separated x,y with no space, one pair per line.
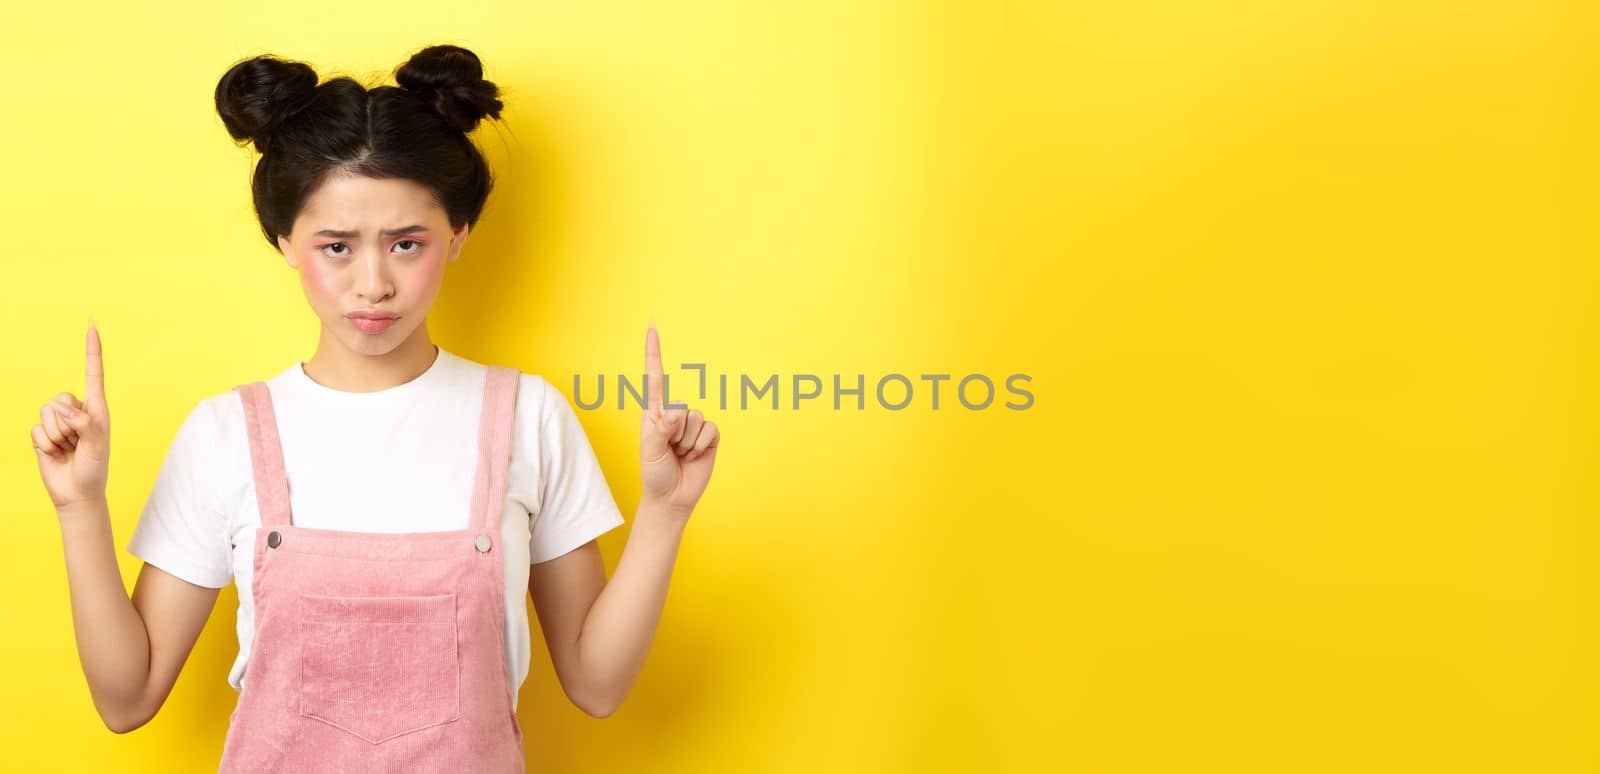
210,451
214,416
533,389
213,434
553,409
546,421
540,404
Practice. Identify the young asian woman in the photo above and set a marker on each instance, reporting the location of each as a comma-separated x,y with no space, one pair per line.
376,502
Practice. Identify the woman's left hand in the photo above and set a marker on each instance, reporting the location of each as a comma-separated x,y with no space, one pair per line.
677,447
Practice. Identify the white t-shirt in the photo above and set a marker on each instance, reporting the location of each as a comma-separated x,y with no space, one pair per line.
396,460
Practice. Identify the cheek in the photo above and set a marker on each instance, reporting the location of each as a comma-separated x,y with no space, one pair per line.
432,264
317,279
430,267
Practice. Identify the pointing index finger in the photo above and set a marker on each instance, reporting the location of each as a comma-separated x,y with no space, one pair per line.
652,368
94,372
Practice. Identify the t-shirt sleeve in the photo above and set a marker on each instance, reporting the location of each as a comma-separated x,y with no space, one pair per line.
575,502
182,529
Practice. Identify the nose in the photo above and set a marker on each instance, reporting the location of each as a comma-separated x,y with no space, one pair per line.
373,282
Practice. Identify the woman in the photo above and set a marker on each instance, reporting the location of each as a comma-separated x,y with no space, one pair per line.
376,503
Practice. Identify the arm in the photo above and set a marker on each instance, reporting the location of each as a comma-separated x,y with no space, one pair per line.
598,633
131,650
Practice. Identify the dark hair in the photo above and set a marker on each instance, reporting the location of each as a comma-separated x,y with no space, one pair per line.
307,132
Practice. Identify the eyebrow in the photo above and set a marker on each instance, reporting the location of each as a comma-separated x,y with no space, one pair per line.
328,232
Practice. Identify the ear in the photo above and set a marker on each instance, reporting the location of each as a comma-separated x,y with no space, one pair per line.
288,251
457,238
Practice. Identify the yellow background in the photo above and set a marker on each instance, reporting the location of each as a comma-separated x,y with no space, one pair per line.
1305,292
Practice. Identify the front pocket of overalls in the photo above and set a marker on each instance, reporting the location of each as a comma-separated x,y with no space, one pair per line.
379,666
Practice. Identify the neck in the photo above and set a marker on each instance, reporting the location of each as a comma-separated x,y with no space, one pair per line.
336,366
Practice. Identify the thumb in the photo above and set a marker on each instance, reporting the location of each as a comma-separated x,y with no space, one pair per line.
656,435
88,430
77,418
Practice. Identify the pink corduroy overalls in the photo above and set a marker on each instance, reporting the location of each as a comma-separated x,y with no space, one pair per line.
377,652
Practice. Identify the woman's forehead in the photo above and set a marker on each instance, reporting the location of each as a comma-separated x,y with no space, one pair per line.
366,204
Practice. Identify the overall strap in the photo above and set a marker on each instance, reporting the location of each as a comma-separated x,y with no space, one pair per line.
494,447
266,455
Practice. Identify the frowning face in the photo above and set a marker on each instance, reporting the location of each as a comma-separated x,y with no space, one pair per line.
371,255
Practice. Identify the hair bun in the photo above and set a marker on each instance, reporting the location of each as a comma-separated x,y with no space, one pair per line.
450,79
256,95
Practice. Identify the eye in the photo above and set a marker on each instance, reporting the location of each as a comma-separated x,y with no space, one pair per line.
336,244
417,245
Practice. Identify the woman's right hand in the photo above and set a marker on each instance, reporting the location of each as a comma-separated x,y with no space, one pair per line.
73,438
